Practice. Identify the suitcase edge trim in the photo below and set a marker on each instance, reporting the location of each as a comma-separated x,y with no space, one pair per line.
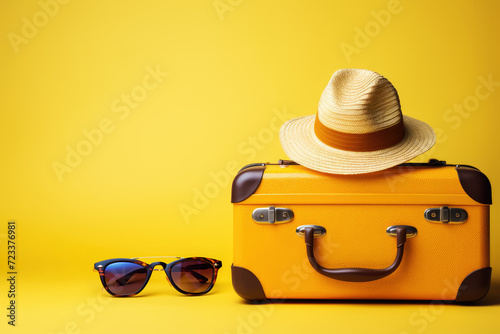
246,182
246,284
475,286
475,184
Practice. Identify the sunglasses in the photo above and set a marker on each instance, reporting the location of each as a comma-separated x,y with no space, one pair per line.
127,277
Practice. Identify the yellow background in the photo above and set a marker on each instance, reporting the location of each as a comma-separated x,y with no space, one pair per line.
233,71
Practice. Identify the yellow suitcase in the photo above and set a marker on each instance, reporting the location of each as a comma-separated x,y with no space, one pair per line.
415,231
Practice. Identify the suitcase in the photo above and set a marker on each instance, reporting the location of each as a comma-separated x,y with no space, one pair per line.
418,231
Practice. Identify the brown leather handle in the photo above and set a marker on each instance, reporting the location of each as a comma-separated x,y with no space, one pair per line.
356,274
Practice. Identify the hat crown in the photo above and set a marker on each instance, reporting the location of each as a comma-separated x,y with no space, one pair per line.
359,101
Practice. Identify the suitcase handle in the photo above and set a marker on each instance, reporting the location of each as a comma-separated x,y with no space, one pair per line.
355,274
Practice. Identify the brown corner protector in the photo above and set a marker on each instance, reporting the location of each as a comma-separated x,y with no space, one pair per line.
246,183
475,184
475,286
246,284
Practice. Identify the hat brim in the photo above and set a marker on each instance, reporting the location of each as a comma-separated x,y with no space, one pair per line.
300,144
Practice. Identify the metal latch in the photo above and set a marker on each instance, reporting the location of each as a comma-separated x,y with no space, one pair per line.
446,215
272,215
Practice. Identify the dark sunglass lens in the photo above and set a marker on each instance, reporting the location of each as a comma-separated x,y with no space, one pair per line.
193,276
125,278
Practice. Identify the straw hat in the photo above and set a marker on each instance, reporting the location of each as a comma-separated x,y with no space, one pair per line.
359,128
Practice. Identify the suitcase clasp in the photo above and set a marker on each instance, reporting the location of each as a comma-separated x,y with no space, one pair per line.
446,215
272,215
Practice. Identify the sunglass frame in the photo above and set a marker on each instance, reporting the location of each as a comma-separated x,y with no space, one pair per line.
167,267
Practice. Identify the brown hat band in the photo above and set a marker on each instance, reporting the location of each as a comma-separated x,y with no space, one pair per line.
360,142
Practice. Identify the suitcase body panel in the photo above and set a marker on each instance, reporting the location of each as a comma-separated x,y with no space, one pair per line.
356,211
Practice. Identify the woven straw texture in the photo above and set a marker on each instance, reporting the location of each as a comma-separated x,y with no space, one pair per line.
355,102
